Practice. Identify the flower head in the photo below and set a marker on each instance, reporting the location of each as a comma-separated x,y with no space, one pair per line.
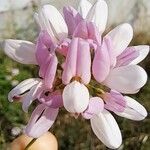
80,70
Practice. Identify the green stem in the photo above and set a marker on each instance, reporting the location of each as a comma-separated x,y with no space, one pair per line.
97,89
31,142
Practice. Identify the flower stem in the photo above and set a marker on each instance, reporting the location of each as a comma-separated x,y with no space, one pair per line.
96,89
31,142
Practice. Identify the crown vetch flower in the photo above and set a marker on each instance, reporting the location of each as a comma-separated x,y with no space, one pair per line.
77,66
26,92
68,51
41,115
111,65
43,54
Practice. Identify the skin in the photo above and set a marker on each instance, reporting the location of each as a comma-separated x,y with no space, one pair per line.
46,142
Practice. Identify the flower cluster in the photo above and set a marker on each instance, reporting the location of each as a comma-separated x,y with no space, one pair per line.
80,70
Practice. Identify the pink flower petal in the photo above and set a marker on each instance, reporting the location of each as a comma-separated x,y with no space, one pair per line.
41,120
31,96
96,105
78,61
110,49
44,66
43,46
71,62
22,87
114,101
87,30
143,51
63,47
53,100
50,72
127,56
83,67
101,62
72,18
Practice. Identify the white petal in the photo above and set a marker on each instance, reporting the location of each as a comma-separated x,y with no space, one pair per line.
98,14
134,110
75,97
106,129
143,52
23,87
20,51
44,23
126,79
121,36
84,7
56,21
31,96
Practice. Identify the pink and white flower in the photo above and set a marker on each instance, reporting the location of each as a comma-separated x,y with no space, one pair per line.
114,65
77,37
77,67
42,54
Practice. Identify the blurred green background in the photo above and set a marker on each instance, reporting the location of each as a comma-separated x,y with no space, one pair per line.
72,134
